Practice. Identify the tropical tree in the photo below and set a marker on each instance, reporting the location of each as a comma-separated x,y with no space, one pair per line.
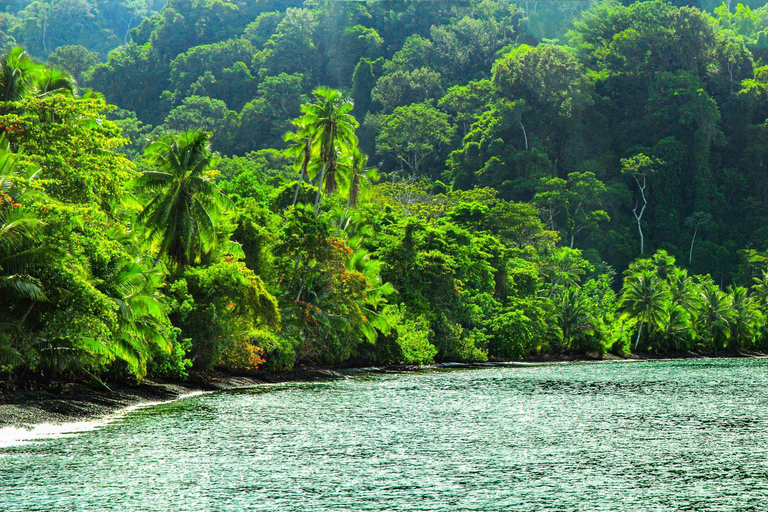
414,133
357,177
142,318
715,317
18,74
20,235
573,317
683,291
572,206
333,127
644,298
675,329
22,76
181,216
745,318
640,167
300,151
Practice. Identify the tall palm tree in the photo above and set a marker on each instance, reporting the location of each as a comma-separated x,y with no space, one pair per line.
357,177
664,264
333,128
181,216
300,150
572,316
684,292
675,327
715,316
643,297
745,318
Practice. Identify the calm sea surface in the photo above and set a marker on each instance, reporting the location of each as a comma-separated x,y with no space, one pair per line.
662,435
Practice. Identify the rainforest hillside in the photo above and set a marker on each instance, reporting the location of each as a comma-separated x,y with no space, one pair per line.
259,184
499,104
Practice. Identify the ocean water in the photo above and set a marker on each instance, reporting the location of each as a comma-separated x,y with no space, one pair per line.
655,435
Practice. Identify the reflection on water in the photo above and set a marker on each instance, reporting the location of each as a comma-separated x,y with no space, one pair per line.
664,435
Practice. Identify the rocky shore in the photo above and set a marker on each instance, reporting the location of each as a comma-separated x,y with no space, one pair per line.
66,402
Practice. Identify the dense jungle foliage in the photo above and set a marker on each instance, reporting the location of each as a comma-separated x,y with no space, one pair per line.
245,185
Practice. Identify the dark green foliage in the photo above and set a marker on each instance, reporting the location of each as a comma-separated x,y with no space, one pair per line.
479,212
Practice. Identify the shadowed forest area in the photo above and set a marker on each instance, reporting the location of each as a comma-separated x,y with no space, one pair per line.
257,185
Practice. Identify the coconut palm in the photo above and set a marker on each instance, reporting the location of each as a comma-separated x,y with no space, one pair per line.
715,317
54,80
643,297
376,294
684,292
572,316
358,177
760,289
181,216
22,252
674,328
333,129
133,288
20,235
664,264
300,151
745,318
19,75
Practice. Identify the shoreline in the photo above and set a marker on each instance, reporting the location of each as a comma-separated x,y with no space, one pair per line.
66,403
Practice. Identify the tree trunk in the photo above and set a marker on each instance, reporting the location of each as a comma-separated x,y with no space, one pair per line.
524,135
690,253
639,332
319,191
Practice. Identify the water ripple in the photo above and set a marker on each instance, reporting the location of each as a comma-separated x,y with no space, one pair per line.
656,436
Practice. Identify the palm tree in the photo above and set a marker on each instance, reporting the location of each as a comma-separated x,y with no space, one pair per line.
715,316
376,294
333,128
143,322
760,289
54,80
19,75
300,150
684,292
664,264
358,177
643,297
675,326
21,253
20,235
181,216
572,316
745,318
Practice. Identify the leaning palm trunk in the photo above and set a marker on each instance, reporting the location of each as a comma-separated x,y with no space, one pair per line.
639,332
303,177
319,190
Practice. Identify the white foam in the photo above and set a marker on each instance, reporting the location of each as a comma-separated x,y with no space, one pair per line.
14,436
